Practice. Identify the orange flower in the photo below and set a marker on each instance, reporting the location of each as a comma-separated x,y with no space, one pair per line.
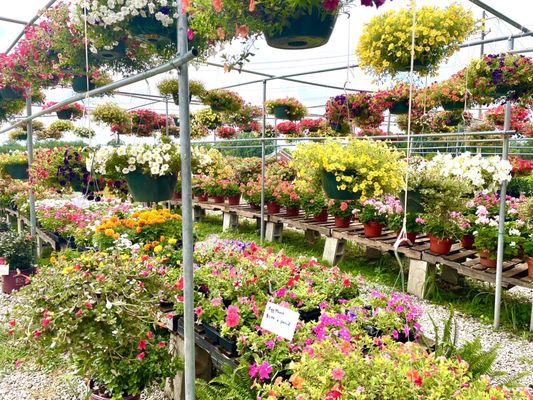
296,381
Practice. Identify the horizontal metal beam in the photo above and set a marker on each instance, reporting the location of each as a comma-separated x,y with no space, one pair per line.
175,63
496,39
501,16
15,21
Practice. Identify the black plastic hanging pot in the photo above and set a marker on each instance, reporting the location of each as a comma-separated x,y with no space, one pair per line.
64,114
8,93
400,107
148,188
304,31
330,186
116,53
282,112
79,84
18,171
176,98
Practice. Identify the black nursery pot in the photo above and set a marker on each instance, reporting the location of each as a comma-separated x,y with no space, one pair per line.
374,332
211,334
79,84
64,114
229,346
311,315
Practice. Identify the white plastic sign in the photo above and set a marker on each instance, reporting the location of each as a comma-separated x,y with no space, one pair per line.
4,269
280,320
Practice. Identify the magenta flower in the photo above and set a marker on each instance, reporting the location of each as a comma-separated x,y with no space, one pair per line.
264,370
337,374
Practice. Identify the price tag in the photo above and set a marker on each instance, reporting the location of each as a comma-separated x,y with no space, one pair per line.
4,269
280,320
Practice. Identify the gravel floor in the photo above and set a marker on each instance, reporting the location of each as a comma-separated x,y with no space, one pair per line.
27,384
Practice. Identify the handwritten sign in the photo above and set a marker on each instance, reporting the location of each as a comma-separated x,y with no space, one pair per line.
280,320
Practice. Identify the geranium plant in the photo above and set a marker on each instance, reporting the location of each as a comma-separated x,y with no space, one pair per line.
438,34
226,132
341,209
288,128
101,312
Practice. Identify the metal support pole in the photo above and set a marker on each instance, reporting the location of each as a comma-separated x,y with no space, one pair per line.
263,164
501,222
481,53
166,116
186,201
29,145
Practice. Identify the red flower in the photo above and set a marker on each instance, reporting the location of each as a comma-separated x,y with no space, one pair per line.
330,5
89,305
415,377
36,333
12,323
45,322
346,282
100,278
79,313
140,356
161,345
142,345
150,335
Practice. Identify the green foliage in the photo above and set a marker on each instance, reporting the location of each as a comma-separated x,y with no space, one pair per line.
230,385
11,146
250,148
61,126
170,87
83,132
17,250
520,185
111,114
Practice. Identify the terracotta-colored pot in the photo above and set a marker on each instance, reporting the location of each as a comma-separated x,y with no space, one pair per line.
95,396
13,281
342,222
411,236
467,241
255,206
322,217
440,246
217,199
176,196
530,267
292,211
486,260
234,200
273,208
373,229
202,197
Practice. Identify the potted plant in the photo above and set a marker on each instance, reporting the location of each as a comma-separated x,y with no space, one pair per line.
486,241
337,114
361,168
438,32
16,251
373,215
150,170
86,133
342,211
14,164
289,198
287,108
312,201
109,305
231,191
214,189
146,122
451,94
114,116
251,192
198,188
206,117
221,100
18,134
72,111
396,99
288,128
500,76
443,231
414,224
170,87
226,132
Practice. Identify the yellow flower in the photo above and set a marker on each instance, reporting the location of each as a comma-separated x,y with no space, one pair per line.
158,248
172,241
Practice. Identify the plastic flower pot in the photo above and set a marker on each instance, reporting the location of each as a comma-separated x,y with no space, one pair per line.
330,186
95,396
18,171
273,208
487,259
79,84
234,200
14,281
8,93
176,98
211,334
417,67
467,241
64,114
342,222
453,105
176,196
414,201
116,53
310,315
373,332
217,199
292,211
217,108
255,206
282,112
146,188
412,238
400,107
530,267
228,345
372,229
202,198
322,217
439,246
304,31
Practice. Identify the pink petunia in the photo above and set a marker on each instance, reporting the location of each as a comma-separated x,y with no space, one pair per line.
337,374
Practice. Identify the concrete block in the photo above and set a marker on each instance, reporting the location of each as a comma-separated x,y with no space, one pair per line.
273,232
198,214
333,250
230,221
420,273
449,274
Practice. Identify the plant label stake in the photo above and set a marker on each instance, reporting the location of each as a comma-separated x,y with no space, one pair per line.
4,267
280,320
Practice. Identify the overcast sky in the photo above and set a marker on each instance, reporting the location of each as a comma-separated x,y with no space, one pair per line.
337,53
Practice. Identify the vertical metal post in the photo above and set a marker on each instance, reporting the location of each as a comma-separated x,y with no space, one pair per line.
29,146
481,53
388,123
263,164
186,201
166,114
501,222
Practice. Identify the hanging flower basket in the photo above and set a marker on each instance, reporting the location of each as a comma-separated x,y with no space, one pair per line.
116,53
453,105
150,30
8,93
148,188
304,31
414,201
18,171
282,112
401,107
79,84
64,114
176,98
330,186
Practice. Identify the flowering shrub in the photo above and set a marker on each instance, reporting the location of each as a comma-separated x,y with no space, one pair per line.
341,209
500,76
294,109
161,159
439,32
226,132
101,312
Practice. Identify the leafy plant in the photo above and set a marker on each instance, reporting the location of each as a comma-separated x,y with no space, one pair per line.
223,100
295,109
17,250
229,385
